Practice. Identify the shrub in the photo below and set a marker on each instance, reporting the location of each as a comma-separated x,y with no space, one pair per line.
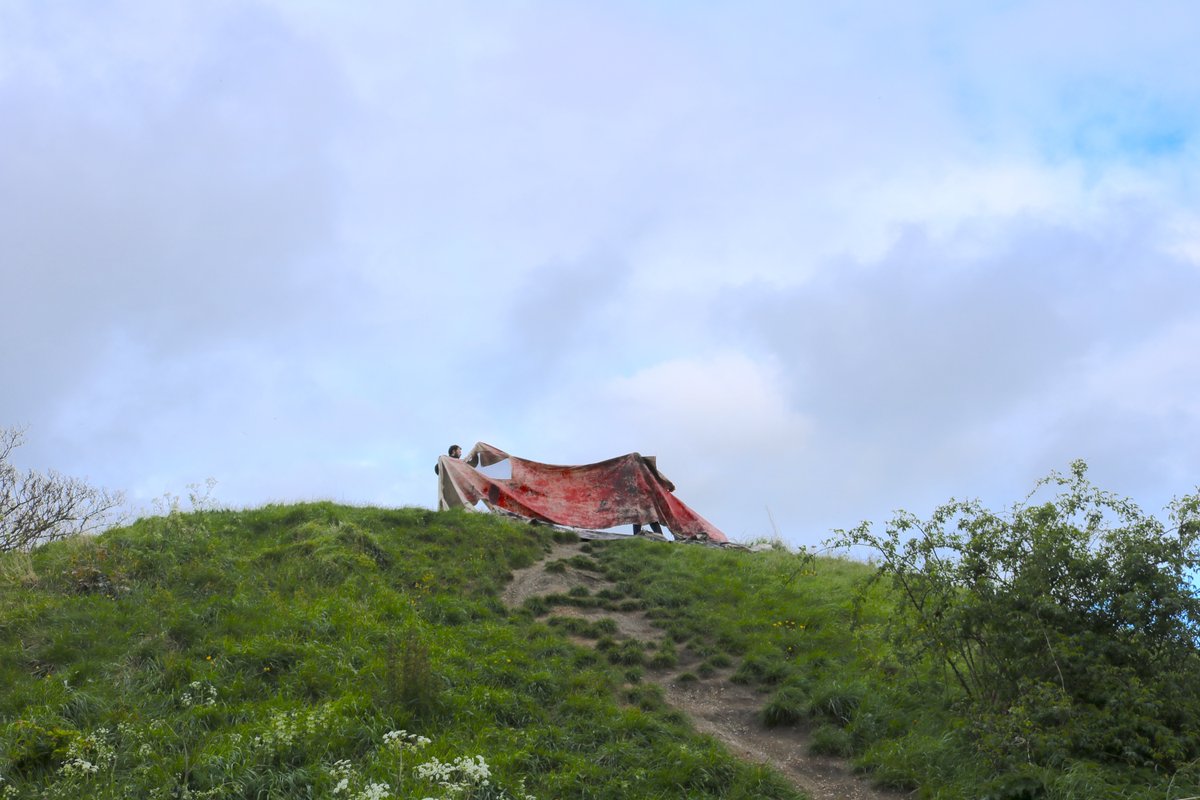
36,508
1070,627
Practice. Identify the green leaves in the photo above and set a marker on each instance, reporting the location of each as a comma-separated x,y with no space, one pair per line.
1052,618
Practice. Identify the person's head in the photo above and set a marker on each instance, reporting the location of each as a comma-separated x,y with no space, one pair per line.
455,451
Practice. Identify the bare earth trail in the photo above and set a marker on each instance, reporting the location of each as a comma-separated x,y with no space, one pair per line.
716,706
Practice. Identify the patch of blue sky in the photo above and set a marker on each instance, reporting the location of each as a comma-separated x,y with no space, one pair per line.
1130,139
1099,126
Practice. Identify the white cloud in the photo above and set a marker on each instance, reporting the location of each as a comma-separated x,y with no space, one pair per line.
1183,236
906,251
722,402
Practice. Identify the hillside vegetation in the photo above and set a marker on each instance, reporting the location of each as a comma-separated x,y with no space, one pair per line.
333,652
274,653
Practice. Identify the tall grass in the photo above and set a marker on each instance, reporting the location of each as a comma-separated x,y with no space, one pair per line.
286,651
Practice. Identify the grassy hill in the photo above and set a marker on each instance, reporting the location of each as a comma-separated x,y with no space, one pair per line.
325,651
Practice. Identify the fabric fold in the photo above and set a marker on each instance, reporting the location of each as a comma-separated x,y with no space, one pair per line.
620,491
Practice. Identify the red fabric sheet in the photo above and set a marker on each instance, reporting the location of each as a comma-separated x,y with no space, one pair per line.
619,491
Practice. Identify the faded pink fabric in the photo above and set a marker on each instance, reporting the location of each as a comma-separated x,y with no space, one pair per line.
619,491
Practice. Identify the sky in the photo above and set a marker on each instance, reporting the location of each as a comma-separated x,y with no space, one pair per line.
826,261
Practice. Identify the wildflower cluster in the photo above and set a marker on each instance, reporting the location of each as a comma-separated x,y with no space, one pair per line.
402,741
462,778
287,728
788,625
199,694
87,754
343,771
457,776
350,783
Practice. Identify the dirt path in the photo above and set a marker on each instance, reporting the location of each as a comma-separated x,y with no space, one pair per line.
724,710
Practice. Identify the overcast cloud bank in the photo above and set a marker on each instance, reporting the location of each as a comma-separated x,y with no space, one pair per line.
822,262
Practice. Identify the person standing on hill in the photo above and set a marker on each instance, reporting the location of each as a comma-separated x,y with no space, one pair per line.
454,451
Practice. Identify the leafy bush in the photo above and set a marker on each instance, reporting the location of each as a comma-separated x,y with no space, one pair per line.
1070,627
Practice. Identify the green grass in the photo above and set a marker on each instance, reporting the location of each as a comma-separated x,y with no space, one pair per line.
813,635
266,653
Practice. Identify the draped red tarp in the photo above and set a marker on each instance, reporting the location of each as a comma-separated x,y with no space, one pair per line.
619,491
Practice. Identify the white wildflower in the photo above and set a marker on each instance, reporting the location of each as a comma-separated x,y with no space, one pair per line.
78,768
286,729
199,694
401,741
434,770
87,754
373,791
476,771
457,776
